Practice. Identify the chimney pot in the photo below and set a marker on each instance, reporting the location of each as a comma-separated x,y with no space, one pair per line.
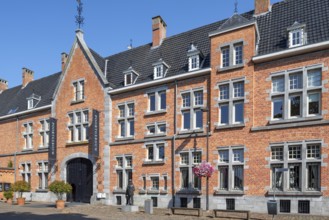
159,30
64,60
3,85
28,76
262,6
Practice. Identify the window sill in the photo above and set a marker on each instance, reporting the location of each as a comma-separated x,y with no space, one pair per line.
222,127
153,191
154,135
156,112
124,138
119,191
77,102
42,190
222,69
189,191
191,131
295,193
42,148
294,120
71,144
142,191
27,150
233,193
155,162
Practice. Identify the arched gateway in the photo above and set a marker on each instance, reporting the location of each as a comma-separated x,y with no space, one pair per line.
79,173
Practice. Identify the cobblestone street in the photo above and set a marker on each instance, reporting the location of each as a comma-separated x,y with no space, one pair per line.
38,211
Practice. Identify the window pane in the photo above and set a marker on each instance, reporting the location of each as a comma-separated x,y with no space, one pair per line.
152,101
128,79
238,89
196,157
278,84
196,182
224,92
198,98
155,183
151,129
163,100
295,81
129,161
238,155
184,177
225,57
161,152
223,114
186,100
238,112
238,53
184,158
120,179
223,156
277,153
150,153
223,178
295,106
295,152
277,177
294,176
314,103
313,176
131,127
314,78
122,128
186,120
313,151
122,111
238,177
131,110
162,128
119,161
278,108
198,119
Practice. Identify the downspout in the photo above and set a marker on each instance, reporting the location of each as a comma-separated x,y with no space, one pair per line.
15,166
174,147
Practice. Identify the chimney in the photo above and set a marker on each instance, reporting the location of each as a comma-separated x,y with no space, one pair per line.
159,31
27,76
3,85
262,6
64,59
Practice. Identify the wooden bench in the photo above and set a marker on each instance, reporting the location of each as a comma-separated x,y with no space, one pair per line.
232,211
186,209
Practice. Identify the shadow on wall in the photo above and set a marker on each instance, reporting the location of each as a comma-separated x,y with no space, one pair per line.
28,215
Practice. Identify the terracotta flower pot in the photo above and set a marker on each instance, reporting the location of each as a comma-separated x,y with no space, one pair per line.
60,204
9,201
20,201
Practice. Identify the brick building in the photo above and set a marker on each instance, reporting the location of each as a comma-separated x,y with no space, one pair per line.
248,94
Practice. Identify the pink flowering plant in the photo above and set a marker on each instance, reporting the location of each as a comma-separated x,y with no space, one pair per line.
203,170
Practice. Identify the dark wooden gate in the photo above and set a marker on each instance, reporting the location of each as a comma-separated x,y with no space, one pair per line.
80,176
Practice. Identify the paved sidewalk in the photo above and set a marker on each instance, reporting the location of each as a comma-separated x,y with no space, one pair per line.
47,211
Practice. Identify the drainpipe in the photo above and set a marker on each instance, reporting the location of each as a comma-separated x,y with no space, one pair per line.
207,144
174,146
17,133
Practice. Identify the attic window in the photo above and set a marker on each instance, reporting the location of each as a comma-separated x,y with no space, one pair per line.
159,69
194,58
33,101
130,76
297,35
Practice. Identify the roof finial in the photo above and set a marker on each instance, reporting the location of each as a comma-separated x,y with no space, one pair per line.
131,44
79,18
236,6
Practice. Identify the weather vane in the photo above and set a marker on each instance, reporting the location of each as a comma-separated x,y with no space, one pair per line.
79,18
236,6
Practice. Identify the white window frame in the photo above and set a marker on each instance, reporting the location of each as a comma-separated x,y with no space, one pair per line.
26,172
44,133
158,71
189,166
79,90
125,170
193,108
227,52
194,62
301,37
42,171
157,130
235,53
28,135
156,152
74,124
157,100
126,119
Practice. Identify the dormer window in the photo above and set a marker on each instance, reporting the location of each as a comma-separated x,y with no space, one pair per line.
160,69
194,58
130,76
33,101
297,35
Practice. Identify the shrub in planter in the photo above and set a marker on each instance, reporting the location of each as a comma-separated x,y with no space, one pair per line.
20,187
9,196
59,188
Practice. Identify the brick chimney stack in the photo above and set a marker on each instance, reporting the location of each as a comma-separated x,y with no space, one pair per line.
262,6
3,85
159,30
28,76
64,60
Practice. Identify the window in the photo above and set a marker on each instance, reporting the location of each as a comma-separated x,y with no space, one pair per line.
285,206
196,203
187,162
43,175
230,167
194,62
294,157
238,54
44,132
128,79
302,90
231,99
126,120
33,101
225,57
26,172
155,182
158,71
155,152
232,55
79,90
230,204
78,126
192,103
304,206
157,101
296,38
28,135
124,171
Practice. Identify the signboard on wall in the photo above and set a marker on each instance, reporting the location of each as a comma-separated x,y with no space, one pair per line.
52,140
95,134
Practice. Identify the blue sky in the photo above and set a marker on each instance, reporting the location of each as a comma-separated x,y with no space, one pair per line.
34,33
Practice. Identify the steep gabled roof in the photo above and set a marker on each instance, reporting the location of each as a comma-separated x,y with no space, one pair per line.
14,100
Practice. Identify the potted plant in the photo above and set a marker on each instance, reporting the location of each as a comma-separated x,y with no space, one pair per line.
9,196
20,187
59,188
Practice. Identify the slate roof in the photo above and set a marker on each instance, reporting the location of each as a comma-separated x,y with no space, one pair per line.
173,50
15,99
